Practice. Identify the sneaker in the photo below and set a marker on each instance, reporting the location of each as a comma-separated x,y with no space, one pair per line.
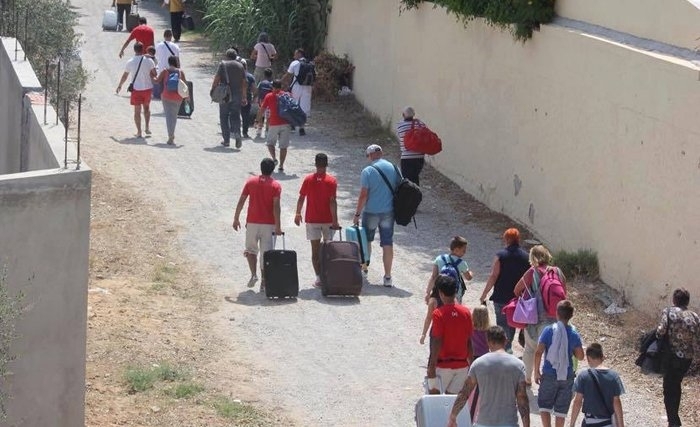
276,162
251,282
280,169
387,282
225,143
302,132
239,142
246,136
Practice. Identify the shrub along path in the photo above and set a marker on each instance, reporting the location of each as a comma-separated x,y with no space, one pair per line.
317,361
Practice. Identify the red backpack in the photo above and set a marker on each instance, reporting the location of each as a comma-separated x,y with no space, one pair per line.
422,140
552,290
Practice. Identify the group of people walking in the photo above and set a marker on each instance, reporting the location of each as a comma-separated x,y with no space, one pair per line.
495,382
471,357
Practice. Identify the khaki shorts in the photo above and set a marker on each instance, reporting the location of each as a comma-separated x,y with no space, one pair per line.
258,238
278,132
318,231
452,379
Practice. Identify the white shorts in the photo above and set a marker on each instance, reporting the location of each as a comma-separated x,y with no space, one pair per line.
318,231
279,133
303,96
452,379
258,238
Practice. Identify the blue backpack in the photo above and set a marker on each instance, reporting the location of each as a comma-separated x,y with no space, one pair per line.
451,268
173,81
289,110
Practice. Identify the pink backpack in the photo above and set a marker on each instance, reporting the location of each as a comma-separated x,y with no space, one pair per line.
552,290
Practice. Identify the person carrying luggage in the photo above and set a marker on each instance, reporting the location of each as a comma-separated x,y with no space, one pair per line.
169,80
411,162
123,9
263,217
321,216
450,340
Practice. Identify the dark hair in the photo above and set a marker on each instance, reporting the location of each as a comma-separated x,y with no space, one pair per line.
267,166
142,20
681,298
446,285
594,351
151,50
565,310
263,37
138,47
277,84
231,53
496,335
168,33
458,242
173,61
268,73
321,160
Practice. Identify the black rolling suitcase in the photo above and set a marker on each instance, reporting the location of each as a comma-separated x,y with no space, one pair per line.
187,105
281,275
132,19
341,274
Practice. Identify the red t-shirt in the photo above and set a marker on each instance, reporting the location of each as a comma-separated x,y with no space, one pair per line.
318,189
261,190
143,34
453,323
270,102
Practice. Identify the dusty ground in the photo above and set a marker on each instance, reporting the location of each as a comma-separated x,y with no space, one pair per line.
168,279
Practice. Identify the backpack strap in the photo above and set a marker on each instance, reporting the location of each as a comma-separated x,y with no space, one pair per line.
386,180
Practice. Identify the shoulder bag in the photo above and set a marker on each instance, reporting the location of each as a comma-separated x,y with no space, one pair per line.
602,398
222,93
182,88
131,85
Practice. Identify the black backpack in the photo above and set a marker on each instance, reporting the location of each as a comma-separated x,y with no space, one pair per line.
307,73
407,197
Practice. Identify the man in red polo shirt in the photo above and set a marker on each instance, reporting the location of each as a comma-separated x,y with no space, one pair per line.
279,128
263,217
450,340
143,34
321,210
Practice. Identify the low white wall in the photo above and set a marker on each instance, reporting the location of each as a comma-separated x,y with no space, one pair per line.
590,144
670,21
44,244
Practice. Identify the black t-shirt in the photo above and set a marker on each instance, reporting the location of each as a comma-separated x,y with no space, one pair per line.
514,262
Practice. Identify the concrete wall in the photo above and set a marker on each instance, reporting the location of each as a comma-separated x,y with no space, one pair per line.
44,243
670,21
591,144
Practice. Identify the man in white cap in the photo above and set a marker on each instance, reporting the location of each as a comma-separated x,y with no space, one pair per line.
375,204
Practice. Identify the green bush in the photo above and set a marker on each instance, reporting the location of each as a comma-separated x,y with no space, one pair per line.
581,264
290,23
521,16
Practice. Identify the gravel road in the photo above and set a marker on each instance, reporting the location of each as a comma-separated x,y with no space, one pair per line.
325,362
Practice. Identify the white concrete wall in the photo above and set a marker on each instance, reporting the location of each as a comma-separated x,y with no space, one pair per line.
44,245
590,144
670,21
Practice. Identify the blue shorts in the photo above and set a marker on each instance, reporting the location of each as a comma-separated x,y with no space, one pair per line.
385,222
555,396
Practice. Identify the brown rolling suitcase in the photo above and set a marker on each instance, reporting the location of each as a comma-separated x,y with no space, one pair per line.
340,268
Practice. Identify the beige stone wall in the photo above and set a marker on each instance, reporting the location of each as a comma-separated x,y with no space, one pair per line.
670,21
590,144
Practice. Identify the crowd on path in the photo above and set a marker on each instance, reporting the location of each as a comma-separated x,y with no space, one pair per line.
468,356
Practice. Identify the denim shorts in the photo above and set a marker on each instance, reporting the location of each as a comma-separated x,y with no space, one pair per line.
385,222
555,396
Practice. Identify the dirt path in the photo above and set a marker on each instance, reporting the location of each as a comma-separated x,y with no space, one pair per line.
320,362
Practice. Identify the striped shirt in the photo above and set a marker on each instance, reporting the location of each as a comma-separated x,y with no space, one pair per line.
401,129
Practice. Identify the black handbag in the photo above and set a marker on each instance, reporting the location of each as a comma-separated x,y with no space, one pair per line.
655,353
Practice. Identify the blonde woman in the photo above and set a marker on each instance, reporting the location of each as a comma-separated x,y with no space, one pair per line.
540,260
480,346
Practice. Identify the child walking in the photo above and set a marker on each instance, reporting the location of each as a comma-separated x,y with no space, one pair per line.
480,346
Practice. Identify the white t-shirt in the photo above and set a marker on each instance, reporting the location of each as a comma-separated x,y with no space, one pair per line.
263,61
162,54
143,79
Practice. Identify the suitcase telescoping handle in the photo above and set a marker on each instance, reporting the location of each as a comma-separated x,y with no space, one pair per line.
274,241
427,388
339,230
